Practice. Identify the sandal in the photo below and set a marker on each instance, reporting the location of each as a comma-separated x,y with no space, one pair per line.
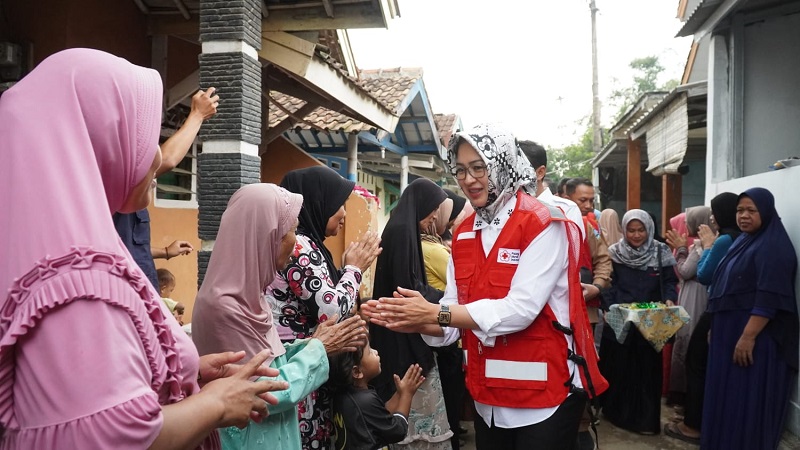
672,430
676,418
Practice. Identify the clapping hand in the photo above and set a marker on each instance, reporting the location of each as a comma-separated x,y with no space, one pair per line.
411,381
221,365
363,252
241,398
707,236
407,312
675,239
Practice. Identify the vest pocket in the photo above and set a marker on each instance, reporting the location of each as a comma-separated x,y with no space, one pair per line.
529,368
463,275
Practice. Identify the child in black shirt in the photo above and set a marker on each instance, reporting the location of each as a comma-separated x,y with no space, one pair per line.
360,419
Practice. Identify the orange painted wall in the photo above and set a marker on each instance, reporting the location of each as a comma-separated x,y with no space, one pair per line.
281,156
166,226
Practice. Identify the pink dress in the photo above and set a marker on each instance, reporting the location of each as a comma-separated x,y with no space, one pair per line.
93,356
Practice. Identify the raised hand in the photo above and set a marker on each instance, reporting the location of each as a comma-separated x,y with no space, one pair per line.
205,103
675,239
363,252
178,248
707,236
345,336
411,381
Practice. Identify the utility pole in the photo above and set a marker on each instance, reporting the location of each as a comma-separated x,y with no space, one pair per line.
597,137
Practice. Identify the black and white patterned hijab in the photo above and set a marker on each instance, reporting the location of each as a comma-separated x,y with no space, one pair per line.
508,169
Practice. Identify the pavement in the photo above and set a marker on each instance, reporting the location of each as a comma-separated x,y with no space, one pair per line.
613,438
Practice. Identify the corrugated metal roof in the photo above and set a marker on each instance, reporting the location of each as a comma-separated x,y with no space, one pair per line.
698,17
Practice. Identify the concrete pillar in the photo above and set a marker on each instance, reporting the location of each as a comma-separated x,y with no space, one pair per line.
352,157
403,173
230,31
634,191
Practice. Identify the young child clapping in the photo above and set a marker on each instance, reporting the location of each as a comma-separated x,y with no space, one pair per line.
361,420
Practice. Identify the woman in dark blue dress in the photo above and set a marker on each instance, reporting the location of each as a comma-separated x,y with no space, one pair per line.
643,272
753,352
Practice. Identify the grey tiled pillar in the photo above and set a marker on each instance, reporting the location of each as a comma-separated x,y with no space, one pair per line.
230,31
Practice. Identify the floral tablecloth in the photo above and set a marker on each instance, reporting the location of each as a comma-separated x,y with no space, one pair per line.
656,322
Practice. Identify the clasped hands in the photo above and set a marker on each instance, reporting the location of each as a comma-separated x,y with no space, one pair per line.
406,311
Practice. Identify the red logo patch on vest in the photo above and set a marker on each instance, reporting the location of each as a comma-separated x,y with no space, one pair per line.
508,256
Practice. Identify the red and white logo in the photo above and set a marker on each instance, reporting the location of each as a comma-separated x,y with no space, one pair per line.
508,256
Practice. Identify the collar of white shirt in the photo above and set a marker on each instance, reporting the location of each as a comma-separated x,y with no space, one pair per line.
499,220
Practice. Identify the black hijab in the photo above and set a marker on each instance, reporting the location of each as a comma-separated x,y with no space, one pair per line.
723,206
324,192
458,203
401,264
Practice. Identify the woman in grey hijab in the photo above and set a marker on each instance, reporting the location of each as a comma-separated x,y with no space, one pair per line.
643,272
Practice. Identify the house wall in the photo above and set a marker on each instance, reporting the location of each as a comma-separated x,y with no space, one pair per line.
693,184
54,25
281,156
784,185
766,74
771,97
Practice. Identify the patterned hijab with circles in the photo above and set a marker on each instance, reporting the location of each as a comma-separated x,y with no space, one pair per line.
508,170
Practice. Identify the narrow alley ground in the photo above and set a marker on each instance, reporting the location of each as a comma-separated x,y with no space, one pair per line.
613,438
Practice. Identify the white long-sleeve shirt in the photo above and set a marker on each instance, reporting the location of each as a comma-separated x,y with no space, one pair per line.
541,279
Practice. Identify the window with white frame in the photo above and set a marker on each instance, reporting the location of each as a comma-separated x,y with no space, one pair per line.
178,187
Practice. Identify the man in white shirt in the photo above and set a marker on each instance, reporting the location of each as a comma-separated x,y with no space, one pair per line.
537,156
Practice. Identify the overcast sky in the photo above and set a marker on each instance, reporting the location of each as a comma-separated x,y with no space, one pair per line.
524,63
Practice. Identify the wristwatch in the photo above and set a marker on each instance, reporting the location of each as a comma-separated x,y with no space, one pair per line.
444,316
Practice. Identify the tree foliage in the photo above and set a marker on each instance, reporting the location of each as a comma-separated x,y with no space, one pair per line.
645,79
573,160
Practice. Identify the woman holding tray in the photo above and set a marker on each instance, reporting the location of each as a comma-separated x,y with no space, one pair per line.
643,272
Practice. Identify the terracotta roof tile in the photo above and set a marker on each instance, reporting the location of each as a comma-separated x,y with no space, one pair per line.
446,124
388,86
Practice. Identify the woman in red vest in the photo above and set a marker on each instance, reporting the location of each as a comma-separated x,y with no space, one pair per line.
513,287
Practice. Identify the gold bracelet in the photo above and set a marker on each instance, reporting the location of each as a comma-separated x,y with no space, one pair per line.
166,252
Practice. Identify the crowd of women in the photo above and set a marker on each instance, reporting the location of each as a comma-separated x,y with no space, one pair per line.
282,355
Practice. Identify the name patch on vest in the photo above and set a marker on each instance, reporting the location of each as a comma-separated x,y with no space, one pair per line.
508,256
516,370
466,235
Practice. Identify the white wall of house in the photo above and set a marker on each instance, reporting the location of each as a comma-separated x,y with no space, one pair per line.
784,185
771,94
754,120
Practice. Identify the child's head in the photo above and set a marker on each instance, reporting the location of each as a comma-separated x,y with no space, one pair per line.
166,282
178,312
354,368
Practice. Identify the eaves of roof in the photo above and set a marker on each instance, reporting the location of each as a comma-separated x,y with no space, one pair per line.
695,89
300,59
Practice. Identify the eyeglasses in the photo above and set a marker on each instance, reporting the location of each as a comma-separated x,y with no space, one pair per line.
476,171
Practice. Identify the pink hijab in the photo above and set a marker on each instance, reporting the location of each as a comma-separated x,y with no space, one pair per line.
678,223
78,133
229,313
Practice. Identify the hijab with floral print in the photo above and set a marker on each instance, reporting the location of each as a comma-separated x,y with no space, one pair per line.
508,170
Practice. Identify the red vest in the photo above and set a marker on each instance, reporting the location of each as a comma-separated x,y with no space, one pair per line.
526,369
586,256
